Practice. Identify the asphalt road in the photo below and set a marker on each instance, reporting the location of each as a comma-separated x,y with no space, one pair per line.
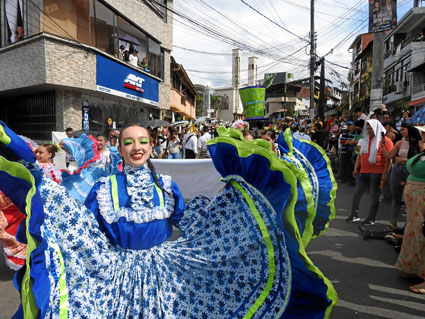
362,271
368,285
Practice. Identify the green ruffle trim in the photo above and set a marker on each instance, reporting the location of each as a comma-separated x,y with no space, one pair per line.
302,176
17,170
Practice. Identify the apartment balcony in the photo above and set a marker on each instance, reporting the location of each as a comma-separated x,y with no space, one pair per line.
278,98
418,92
179,104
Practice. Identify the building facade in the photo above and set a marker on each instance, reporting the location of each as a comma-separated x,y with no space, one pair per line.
183,94
64,64
404,64
361,70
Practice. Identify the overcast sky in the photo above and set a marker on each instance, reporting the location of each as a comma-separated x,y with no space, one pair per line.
337,23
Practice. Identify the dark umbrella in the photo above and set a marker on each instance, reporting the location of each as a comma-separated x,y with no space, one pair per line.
156,123
418,117
79,132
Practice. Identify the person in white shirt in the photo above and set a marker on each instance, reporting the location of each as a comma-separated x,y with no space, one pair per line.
360,115
301,135
202,144
134,60
190,145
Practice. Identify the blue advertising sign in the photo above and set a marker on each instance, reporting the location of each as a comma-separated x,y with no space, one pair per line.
120,80
86,119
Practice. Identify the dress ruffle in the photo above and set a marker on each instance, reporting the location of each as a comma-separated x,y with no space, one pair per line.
312,159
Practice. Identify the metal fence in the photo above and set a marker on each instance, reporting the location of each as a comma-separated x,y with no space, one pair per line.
30,115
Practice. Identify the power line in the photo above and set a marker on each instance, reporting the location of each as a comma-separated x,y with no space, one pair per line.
301,38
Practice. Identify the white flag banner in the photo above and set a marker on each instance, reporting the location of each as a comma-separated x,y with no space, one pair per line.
194,177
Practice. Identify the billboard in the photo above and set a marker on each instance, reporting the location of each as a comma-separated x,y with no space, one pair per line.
120,80
382,15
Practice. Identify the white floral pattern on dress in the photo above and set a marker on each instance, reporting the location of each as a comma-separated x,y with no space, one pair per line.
218,268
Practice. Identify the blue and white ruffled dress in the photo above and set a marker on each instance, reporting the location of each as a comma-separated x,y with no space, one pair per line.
240,255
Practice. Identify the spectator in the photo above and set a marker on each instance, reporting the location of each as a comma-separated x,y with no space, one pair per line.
19,34
202,143
247,135
163,145
381,110
404,118
145,65
392,133
373,167
121,52
411,258
386,118
69,132
126,56
301,135
346,153
190,145
318,136
174,147
133,58
271,137
360,115
402,151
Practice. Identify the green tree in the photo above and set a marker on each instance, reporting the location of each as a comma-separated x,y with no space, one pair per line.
199,105
216,102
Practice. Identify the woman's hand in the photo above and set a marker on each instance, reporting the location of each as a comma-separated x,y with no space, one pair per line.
355,173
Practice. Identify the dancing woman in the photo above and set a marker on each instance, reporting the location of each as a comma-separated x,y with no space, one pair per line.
239,255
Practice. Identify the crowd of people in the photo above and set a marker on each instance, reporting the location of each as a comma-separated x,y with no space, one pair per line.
131,56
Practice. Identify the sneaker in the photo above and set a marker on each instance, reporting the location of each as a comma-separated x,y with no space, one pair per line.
368,221
352,219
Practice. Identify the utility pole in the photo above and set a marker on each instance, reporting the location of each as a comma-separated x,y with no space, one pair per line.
312,59
322,97
376,91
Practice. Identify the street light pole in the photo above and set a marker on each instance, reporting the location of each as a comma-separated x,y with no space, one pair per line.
312,59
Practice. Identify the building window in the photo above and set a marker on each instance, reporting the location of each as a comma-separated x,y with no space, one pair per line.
106,28
161,7
14,21
225,102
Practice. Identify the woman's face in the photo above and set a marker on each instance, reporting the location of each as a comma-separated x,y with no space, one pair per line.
102,143
42,155
370,130
267,138
404,132
405,115
135,147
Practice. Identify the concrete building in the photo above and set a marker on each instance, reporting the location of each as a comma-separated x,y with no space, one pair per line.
404,64
231,108
183,94
361,70
61,64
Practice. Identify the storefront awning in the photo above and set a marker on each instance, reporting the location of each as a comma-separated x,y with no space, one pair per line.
416,102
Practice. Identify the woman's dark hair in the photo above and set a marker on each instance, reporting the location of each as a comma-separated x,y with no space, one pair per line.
419,155
149,162
50,149
414,138
271,134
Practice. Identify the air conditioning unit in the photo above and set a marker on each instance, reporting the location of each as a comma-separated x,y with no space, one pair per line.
400,87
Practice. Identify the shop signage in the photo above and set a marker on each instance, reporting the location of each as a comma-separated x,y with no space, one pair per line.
86,119
114,78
